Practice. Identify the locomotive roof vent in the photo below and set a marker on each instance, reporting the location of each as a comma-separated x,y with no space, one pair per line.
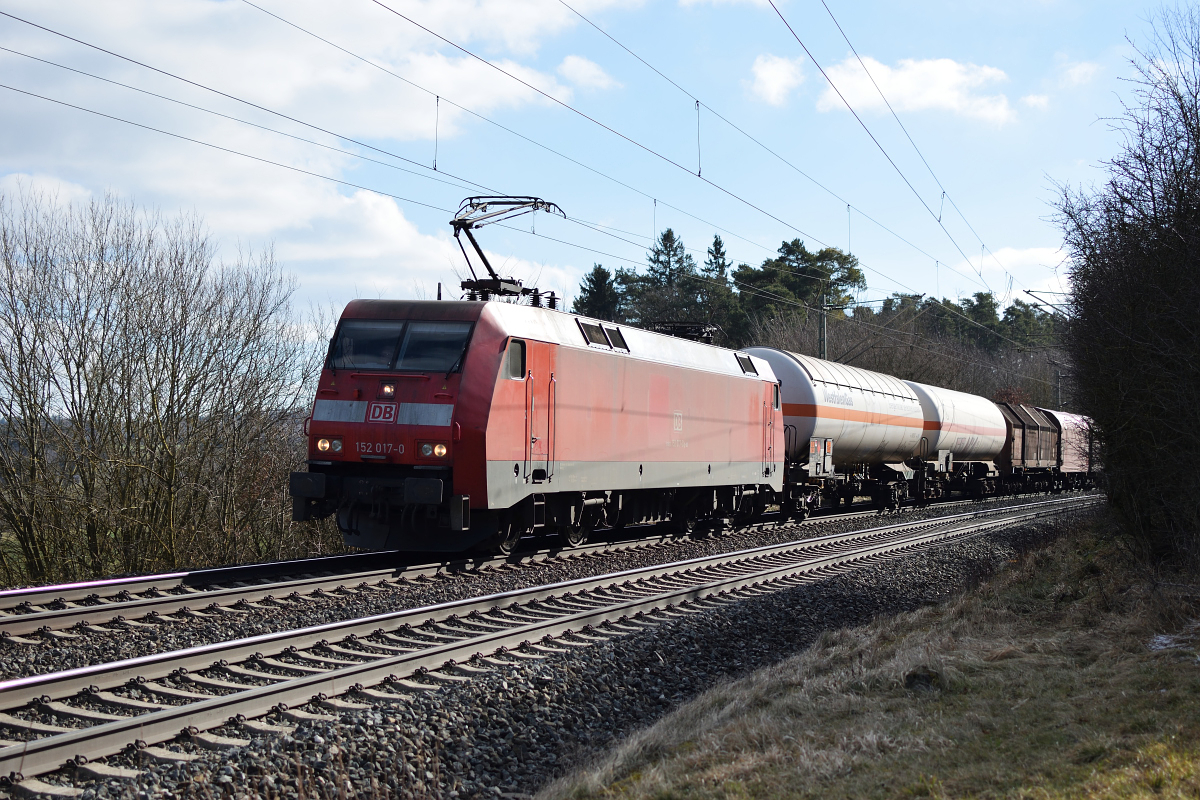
474,213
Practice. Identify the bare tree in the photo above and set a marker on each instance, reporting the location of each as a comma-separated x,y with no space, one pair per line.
150,399
1134,244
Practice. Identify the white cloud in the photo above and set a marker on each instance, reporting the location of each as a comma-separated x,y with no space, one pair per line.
586,74
366,241
52,188
1077,74
1037,268
775,78
1039,101
338,240
920,85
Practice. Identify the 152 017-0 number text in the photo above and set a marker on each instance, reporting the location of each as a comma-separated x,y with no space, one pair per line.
379,448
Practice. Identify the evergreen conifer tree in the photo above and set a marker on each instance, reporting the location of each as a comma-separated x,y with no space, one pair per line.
599,296
669,291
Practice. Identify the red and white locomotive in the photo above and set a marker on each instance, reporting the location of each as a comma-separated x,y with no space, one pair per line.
444,425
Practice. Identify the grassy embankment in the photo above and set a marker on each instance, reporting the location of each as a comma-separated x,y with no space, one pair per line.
1062,676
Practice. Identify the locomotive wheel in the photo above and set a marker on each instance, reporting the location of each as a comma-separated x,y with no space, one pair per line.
508,537
576,535
684,525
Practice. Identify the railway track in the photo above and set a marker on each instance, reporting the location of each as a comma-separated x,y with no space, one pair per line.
54,610
140,703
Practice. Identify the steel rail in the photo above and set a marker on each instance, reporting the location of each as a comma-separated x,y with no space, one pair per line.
303,576
564,609
12,601
19,691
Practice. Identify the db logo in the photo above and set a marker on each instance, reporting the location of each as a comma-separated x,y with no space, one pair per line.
381,412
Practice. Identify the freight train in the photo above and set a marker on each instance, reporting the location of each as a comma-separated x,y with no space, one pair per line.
458,425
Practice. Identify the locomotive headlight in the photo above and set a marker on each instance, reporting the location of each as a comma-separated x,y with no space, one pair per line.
387,390
336,445
323,445
426,449
439,450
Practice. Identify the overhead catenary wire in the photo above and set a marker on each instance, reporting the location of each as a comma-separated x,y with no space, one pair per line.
751,137
314,127
346,138
222,149
649,150
230,96
655,200
279,132
849,206
505,128
593,120
895,116
878,144
742,287
462,184
587,167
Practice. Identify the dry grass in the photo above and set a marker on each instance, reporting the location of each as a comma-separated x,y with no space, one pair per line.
1046,682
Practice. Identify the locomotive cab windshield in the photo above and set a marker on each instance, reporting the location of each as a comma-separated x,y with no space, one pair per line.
401,345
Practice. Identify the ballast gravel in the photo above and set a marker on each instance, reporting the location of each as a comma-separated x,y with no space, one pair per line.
178,632
510,731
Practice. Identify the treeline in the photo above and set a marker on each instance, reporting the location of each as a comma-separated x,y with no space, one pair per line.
971,345
150,398
1134,335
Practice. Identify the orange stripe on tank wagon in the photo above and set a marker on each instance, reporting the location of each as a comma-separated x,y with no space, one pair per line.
849,414
975,430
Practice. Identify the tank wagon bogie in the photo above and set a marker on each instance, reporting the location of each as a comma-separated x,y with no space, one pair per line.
446,425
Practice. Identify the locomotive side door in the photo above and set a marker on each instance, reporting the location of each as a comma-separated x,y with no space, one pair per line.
768,433
539,413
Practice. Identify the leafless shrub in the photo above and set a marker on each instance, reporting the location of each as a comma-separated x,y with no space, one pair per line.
1135,337
150,399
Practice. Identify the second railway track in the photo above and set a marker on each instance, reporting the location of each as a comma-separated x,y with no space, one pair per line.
101,710
56,609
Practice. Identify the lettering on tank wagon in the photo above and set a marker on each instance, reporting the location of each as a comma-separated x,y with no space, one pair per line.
836,398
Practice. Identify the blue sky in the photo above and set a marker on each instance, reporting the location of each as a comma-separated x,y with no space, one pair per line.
1003,100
